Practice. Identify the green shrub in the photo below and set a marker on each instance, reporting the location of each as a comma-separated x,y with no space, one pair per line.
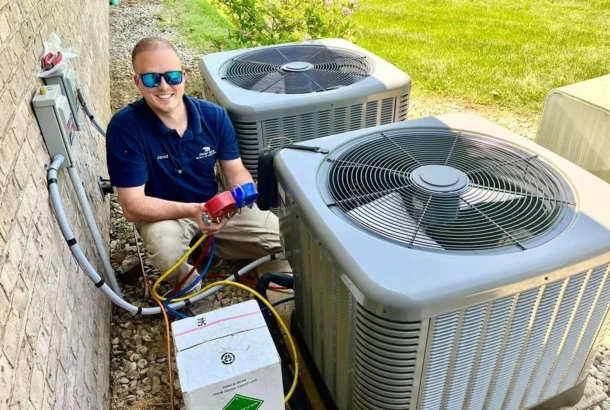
265,22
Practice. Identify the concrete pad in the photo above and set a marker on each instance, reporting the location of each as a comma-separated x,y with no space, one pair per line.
593,396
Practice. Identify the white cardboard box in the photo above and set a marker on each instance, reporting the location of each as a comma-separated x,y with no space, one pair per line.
227,360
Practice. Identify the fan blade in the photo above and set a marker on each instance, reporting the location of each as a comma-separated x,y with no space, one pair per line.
256,82
298,83
328,55
476,196
353,66
332,68
265,56
241,68
301,52
267,82
332,79
396,219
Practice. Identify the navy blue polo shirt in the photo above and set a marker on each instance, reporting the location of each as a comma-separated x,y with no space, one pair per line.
141,150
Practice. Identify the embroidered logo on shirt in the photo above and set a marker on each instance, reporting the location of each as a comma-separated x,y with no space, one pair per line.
166,156
205,152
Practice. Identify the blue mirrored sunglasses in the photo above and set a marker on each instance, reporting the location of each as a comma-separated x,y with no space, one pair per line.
154,79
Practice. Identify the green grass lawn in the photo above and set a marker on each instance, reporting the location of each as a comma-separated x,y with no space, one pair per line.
507,53
197,21
500,52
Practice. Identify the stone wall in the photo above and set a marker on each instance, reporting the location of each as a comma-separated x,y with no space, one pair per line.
54,324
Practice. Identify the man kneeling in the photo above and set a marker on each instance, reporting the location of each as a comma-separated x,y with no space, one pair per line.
161,154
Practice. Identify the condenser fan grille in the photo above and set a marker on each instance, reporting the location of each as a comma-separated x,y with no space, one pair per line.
449,190
296,69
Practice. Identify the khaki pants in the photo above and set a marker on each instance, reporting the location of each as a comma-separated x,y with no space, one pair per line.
249,235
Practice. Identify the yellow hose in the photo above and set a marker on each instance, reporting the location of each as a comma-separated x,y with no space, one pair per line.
239,285
173,268
279,319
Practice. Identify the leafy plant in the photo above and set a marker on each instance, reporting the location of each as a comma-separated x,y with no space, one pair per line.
265,22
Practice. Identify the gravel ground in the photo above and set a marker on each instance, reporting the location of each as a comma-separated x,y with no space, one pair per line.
139,361
139,354
130,22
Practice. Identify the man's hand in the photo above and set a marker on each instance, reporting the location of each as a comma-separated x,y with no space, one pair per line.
214,228
137,207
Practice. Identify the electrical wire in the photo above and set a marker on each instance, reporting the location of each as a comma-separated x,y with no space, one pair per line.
278,138
170,373
281,322
83,103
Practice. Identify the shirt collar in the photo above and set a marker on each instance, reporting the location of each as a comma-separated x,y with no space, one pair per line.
194,119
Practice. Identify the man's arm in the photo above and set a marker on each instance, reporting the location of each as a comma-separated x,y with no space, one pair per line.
235,173
137,207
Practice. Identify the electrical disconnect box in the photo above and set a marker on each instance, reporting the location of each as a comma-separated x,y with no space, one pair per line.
67,83
55,121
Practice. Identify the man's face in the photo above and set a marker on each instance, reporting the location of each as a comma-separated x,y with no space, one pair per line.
164,98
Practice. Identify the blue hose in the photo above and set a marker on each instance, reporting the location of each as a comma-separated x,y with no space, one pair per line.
281,279
175,312
191,286
279,302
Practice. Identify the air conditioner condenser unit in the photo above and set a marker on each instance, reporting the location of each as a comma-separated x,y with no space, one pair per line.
575,124
300,91
446,263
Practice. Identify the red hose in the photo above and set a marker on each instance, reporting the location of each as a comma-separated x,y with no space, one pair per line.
217,276
193,269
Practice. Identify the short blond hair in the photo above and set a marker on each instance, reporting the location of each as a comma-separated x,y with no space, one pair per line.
149,44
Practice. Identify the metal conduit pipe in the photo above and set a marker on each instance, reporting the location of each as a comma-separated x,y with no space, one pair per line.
83,103
64,225
95,232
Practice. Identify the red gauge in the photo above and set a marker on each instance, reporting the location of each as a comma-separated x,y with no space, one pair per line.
220,205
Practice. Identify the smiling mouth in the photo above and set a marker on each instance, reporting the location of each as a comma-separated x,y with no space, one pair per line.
164,96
